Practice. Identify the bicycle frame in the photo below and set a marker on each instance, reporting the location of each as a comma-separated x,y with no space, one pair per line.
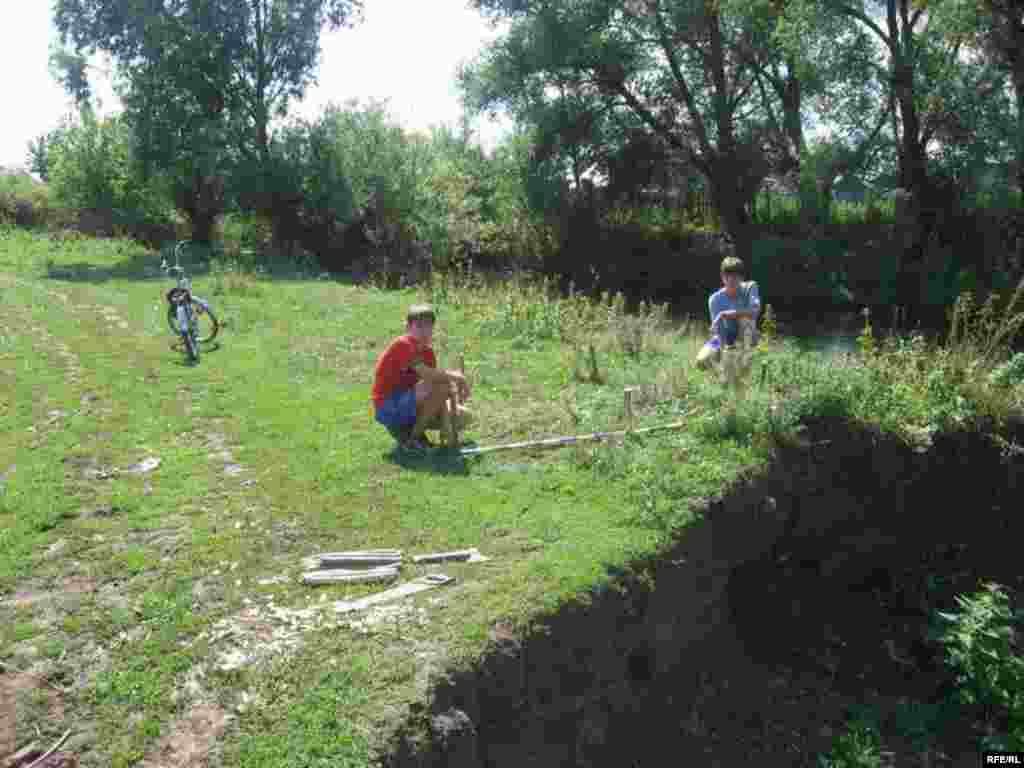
185,304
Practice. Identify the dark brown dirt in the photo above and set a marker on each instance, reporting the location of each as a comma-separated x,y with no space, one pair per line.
803,597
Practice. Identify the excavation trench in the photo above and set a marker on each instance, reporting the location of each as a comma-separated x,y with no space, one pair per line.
802,594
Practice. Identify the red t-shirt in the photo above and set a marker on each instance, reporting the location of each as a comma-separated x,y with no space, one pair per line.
394,367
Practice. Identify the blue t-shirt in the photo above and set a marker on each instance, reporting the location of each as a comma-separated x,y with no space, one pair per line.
747,297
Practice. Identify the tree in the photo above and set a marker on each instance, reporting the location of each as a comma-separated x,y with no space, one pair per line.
201,79
679,69
928,89
88,163
994,29
822,67
40,150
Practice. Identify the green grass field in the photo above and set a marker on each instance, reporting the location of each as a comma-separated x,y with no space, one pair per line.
125,594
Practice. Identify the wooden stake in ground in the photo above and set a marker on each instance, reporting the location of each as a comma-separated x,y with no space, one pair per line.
628,396
595,373
449,416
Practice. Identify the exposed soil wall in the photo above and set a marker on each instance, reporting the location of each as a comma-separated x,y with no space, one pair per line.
802,593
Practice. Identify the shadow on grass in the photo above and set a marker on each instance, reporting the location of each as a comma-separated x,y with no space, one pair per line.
438,461
145,266
136,268
205,349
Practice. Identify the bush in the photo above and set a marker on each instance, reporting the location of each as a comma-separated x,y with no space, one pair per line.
1010,373
23,202
981,645
858,747
92,172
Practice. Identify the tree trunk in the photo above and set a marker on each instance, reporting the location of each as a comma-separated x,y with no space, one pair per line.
203,205
1018,87
792,118
731,201
203,223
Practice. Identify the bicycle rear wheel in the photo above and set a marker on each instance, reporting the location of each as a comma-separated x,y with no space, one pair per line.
205,321
172,320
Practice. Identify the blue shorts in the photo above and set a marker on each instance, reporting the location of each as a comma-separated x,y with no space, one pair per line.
398,411
731,337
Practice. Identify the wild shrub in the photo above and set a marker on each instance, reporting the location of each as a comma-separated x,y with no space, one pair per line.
982,646
859,746
1010,373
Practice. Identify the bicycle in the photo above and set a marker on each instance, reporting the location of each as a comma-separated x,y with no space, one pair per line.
188,316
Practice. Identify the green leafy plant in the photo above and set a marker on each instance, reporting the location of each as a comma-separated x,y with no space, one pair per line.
1010,373
981,645
857,747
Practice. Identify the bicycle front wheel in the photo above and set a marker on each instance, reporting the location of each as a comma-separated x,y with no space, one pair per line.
191,347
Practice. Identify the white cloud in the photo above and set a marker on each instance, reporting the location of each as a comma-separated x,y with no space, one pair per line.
406,51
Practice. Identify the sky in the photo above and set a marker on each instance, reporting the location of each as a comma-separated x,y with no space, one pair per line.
405,51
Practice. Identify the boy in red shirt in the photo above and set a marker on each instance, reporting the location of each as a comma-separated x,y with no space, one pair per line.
409,391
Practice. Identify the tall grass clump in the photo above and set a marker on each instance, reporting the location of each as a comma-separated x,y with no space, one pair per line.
530,308
909,383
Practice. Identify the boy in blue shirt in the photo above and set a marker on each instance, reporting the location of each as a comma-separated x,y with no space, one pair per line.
735,301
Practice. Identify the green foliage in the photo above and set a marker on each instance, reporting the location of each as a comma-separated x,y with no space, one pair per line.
783,212
564,68
91,165
980,642
201,83
985,334
312,733
23,202
475,206
39,151
1010,373
369,150
858,746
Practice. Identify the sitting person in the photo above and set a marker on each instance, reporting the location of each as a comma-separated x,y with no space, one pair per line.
734,302
410,393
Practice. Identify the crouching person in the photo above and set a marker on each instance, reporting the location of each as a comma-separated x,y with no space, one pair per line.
737,301
410,393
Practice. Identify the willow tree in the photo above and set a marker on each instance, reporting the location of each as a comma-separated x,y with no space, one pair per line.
936,98
679,69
